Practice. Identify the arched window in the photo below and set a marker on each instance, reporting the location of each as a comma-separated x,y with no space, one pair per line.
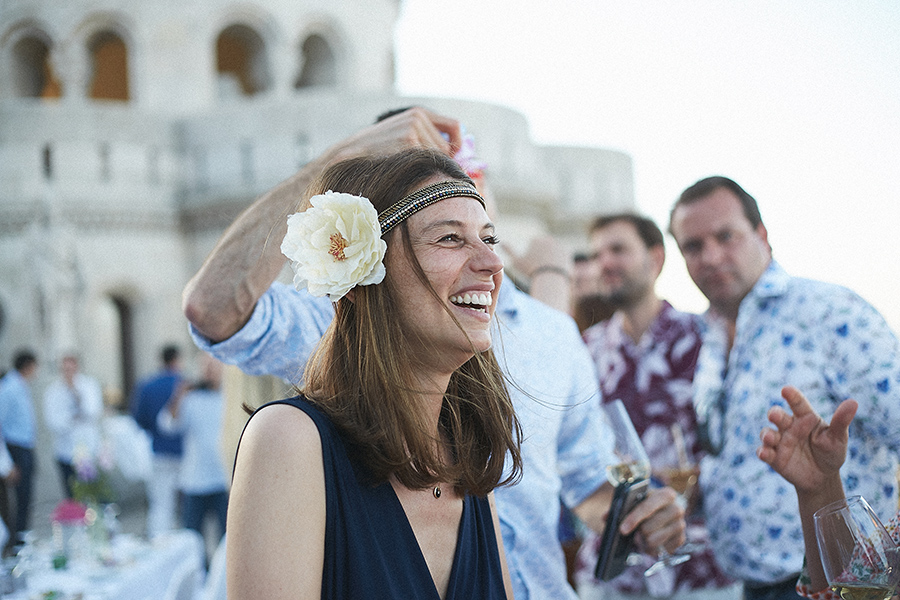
109,67
32,70
115,330
319,66
241,62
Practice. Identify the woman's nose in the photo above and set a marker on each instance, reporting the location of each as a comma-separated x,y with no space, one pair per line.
487,260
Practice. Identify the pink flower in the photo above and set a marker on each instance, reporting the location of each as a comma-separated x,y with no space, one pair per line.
466,158
69,511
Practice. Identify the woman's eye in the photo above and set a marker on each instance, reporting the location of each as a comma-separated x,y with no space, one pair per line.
491,240
450,237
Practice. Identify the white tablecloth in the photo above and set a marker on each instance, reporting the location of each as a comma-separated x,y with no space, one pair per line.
169,568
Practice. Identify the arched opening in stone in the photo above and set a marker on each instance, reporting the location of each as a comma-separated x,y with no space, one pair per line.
32,70
241,62
117,319
109,67
319,66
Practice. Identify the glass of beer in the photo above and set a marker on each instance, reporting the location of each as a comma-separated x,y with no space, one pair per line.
860,559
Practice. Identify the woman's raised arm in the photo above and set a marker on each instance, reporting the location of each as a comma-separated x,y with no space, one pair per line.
808,452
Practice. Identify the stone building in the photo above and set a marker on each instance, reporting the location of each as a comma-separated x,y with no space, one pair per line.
133,131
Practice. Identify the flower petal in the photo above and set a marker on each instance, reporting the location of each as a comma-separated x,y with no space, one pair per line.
309,244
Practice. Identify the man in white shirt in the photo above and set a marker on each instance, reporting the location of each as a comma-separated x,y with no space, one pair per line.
73,405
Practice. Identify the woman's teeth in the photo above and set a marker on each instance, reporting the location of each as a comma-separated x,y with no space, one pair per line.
478,301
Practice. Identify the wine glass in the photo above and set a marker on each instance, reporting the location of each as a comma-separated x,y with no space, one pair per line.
631,467
860,559
681,476
634,464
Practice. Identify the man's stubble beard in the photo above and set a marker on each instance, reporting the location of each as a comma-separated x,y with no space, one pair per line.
627,296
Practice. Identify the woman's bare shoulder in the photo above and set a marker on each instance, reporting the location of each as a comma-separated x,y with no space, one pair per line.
274,549
281,430
279,463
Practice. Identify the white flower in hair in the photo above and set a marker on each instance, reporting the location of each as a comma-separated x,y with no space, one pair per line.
335,245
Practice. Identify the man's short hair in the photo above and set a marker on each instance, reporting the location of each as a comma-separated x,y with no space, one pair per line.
170,354
23,359
390,113
708,185
646,229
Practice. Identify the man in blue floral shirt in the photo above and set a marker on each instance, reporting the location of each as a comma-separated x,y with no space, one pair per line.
764,330
645,356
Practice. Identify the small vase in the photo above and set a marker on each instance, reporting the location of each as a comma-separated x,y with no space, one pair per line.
68,542
101,528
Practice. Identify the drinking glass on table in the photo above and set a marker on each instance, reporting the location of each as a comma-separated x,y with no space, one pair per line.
860,559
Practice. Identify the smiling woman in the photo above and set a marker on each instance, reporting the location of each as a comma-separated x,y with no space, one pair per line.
381,483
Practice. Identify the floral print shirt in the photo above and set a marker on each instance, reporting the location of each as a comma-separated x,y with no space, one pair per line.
830,344
653,378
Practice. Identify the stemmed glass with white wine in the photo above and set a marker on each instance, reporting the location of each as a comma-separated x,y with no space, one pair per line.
860,559
632,461
633,464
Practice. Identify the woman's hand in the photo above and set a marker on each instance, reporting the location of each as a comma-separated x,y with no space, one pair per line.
804,449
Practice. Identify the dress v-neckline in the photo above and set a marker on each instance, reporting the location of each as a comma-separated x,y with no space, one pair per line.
422,564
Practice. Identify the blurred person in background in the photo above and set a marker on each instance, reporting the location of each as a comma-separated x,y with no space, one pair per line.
764,329
195,413
645,356
150,397
73,405
17,425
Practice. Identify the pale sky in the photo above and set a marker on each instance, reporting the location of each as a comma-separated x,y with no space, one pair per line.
797,101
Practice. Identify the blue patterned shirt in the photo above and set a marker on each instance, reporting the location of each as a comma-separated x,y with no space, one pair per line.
553,386
830,344
16,410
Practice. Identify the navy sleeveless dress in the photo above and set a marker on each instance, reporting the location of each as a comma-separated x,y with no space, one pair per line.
370,548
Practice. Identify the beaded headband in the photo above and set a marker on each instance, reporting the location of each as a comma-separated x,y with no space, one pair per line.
403,209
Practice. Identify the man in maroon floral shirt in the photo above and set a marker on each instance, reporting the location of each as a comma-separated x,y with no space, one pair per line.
645,356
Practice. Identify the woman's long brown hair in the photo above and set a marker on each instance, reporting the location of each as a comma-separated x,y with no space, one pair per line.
361,372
